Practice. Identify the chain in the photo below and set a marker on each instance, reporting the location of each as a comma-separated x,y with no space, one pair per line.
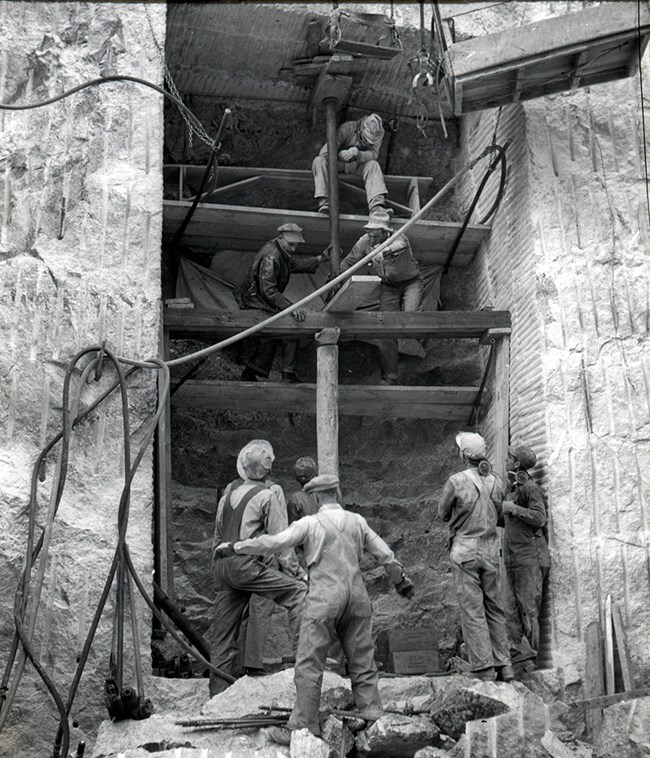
193,128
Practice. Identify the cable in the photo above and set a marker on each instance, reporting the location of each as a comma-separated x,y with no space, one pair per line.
477,10
198,126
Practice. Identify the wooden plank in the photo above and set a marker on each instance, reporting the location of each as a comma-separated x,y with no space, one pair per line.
607,700
548,37
448,403
415,661
353,292
231,227
357,325
501,407
610,685
594,677
365,49
229,174
414,196
621,647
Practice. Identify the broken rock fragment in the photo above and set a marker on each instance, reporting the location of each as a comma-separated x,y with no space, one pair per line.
394,735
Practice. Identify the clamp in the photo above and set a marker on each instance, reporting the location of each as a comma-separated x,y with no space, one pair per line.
424,67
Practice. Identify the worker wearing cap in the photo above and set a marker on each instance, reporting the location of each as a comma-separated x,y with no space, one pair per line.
526,555
257,618
337,604
263,288
301,503
471,503
249,510
358,144
401,285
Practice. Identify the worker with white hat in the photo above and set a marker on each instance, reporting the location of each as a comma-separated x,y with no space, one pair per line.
401,285
337,603
249,510
471,503
263,288
526,556
358,144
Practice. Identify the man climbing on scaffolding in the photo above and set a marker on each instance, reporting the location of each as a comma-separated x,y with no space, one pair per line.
358,144
249,510
263,288
526,556
471,503
401,285
337,604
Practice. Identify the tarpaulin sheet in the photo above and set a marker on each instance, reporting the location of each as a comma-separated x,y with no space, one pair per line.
214,288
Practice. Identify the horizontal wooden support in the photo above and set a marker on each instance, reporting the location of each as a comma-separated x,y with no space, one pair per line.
604,701
357,325
353,293
448,403
232,227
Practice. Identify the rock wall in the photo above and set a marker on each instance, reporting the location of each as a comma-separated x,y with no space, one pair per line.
568,256
68,281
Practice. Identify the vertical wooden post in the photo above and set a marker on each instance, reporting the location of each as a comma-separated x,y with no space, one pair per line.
501,403
327,400
163,555
333,177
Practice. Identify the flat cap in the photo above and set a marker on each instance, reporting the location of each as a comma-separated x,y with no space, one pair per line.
526,457
291,232
322,482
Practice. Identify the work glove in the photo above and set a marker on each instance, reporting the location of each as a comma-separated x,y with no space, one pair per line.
325,255
298,315
508,506
224,550
349,155
406,588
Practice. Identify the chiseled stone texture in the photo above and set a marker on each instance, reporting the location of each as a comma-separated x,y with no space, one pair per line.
625,730
100,150
568,255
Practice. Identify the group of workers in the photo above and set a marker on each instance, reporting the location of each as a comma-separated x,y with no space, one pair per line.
401,284
324,593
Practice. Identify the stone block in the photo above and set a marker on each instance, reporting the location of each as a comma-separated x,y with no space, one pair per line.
625,730
431,752
305,745
394,735
338,736
338,698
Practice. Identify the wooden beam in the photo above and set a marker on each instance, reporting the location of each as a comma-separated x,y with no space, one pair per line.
574,76
621,647
360,192
446,403
610,684
229,174
607,700
414,197
593,683
501,412
352,293
232,227
327,400
227,189
357,325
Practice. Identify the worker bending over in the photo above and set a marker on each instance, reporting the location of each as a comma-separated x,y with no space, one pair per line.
337,603
263,288
401,285
358,144
471,503
249,510
526,556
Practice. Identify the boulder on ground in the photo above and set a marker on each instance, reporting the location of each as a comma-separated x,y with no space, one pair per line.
625,730
338,736
394,735
305,745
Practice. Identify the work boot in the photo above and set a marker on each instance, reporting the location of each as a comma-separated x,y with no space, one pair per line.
248,375
253,671
377,204
280,735
291,377
323,205
392,380
505,673
486,674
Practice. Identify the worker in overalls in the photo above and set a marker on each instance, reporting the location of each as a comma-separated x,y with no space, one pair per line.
471,503
358,144
401,285
247,511
337,604
257,619
526,556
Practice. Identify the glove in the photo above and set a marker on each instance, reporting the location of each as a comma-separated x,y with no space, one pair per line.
298,315
224,550
348,155
325,255
508,506
406,588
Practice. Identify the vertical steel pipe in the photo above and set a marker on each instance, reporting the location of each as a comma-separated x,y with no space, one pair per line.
332,173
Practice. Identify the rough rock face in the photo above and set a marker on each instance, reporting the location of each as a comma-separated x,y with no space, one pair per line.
625,730
67,283
396,735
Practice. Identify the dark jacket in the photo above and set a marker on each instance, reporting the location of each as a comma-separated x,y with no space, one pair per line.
394,266
525,543
268,276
